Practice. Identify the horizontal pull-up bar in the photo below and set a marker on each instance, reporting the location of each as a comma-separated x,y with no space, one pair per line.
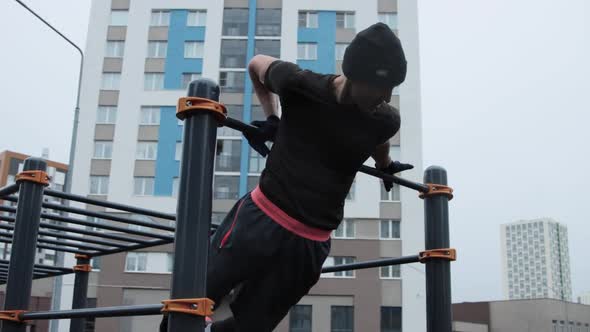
107,204
94,225
246,128
100,215
372,264
101,234
119,311
9,190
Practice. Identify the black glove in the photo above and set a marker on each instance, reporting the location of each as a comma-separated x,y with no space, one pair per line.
266,132
392,168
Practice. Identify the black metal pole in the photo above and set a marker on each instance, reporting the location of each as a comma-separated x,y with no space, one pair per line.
117,206
22,258
91,224
372,264
84,231
8,190
120,311
438,271
193,221
79,300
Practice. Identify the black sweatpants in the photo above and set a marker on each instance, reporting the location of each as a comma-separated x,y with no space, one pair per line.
274,268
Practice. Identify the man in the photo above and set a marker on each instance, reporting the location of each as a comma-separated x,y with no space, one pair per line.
274,241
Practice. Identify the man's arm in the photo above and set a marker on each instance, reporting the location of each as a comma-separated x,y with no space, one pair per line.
381,155
257,69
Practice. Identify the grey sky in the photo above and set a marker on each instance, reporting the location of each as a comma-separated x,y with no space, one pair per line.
504,90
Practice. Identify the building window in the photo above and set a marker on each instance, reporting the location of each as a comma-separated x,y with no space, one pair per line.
178,151
160,18
234,112
233,53
226,187
307,51
193,49
389,229
136,262
257,162
268,22
252,182
95,264
110,81
390,272
114,49
157,49
143,186
235,22
232,81
187,78
118,18
103,149
153,81
345,20
392,195
300,318
342,319
339,260
106,114
346,230
175,184
169,262
268,47
99,185
149,115
196,18
147,150
390,19
391,319
228,155
350,195
308,19
340,49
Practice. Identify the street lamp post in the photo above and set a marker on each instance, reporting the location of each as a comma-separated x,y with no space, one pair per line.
56,296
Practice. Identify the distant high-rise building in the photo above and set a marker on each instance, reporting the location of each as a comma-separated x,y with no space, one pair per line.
584,298
535,260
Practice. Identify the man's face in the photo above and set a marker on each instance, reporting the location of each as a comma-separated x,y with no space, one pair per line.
367,96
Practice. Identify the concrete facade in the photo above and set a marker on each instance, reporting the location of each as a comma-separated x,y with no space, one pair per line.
540,315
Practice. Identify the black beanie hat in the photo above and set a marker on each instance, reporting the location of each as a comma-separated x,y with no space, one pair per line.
375,56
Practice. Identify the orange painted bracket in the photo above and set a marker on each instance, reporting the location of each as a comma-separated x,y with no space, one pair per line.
33,176
11,315
198,307
82,268
437,189
187,105
81,256
449,254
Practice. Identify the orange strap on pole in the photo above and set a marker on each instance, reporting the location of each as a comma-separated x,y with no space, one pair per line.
82,268
449,254
11,315
33,176
437,189
188,105
198,307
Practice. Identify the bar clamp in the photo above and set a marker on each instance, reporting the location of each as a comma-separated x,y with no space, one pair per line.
187,105
198,307
437,190
33,176
11,315
448,254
